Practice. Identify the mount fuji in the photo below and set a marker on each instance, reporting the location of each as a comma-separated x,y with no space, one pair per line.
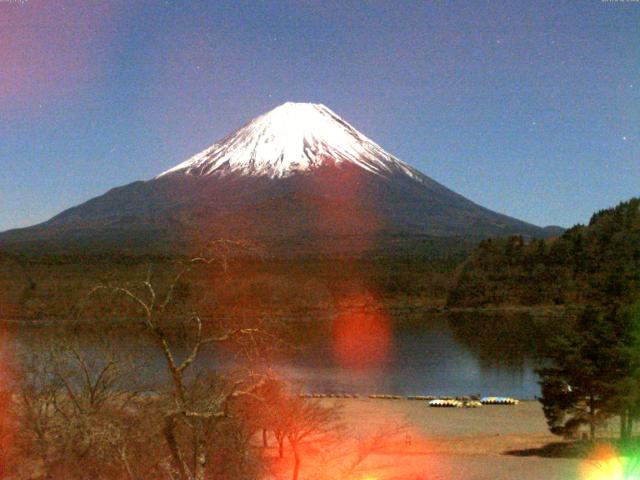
297,175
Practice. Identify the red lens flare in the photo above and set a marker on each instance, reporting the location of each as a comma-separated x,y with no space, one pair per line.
346,212
361,336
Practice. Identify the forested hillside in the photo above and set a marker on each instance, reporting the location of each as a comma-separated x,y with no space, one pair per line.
36,287
594,263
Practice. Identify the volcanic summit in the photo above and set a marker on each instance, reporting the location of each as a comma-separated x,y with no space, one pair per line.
298,174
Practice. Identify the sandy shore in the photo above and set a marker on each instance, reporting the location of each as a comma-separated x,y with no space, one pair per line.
449,443
465,443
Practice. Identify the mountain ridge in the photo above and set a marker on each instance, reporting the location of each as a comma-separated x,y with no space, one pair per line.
298,171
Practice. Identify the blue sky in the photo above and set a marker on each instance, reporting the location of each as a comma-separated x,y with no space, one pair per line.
528,108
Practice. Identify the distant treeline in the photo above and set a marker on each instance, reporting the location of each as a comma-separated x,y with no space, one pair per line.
36,286
595,263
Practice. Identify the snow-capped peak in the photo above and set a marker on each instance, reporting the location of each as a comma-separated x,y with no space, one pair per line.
292,138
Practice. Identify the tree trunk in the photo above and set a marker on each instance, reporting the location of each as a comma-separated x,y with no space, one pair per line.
176,453
199,452
201,462
127,465
624,434
296,465
280,447
265,443
46,465
592,418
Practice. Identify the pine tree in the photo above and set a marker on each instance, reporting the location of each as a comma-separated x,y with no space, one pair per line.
583,385
626,399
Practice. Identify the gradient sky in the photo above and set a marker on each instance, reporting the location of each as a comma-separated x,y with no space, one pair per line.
530,108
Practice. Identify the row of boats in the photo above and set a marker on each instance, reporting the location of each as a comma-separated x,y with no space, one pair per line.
453,402
471,403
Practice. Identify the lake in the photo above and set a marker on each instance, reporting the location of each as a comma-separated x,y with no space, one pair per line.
431,355
441,356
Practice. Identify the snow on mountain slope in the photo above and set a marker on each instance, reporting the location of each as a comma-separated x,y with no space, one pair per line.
292,138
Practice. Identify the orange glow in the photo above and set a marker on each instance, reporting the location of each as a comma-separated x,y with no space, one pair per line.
361,332
361,338
346,212
606,464
390,448
610,469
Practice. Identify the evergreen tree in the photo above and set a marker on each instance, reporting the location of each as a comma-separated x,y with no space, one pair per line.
626,399
585,383
594,264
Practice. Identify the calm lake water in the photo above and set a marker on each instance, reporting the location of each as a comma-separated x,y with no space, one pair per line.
437,355
440,357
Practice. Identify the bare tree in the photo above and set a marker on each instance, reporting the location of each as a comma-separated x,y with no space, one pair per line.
349,454
192,408
307,420
74,409
223,250
7,428
314,429
36,398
